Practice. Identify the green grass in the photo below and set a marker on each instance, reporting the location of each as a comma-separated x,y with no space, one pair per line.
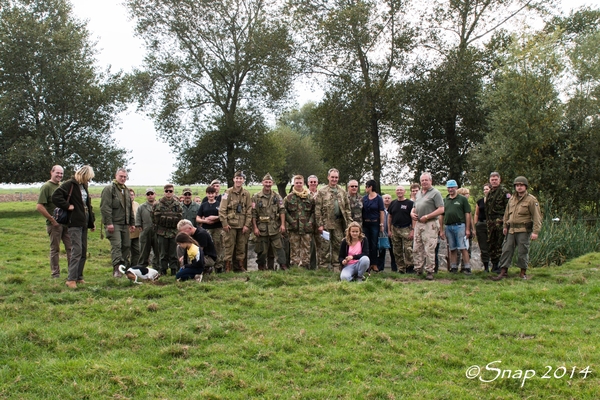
291,335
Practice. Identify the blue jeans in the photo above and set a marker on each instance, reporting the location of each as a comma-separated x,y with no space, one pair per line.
455,234
358,268
188,273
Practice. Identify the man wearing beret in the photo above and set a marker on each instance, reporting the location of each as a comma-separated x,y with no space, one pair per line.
235,214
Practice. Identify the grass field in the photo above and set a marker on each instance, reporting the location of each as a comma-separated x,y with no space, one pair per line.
290,335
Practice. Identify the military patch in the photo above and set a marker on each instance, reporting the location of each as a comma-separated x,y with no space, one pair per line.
224,197
508,195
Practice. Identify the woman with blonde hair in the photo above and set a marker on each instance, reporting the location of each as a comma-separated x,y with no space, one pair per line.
354,252
73,196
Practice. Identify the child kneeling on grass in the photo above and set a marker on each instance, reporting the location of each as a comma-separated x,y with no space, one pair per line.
192,261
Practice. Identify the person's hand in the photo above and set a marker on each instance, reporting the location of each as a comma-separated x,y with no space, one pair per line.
534,236
282,228
505,231
245,230
110,228
132,229
321,228
54,222
411,234
227,228
442,235
71,207
414,216
256,232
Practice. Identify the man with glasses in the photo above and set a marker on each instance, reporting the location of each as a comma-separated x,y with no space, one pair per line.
148,241
190,208
332,214
166,214
118,219
356,201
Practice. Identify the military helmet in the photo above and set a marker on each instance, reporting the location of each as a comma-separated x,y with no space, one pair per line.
521,179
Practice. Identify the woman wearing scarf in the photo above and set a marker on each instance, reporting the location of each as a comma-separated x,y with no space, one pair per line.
300,217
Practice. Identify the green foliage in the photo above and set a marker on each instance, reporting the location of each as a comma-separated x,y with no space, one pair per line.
210,61
563,240
55,107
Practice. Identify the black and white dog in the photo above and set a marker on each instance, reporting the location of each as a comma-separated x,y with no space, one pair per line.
138,271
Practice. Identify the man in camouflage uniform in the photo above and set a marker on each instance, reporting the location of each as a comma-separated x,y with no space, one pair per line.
300,216
495,205
522,223
190,208
316,239
235,214
332,213
268,221
355,201
119,220
166,213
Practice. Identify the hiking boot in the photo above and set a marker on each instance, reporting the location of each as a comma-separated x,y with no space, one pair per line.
467,271
502,275
486,267
495,268
283,267
453,270
262,267
227,266
429,276
523,274
116,272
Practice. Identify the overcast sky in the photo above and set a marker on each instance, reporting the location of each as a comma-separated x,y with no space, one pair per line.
152,161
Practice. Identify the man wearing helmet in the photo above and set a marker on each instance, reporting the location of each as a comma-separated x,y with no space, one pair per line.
522,223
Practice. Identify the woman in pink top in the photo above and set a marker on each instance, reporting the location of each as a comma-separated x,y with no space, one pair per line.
354,252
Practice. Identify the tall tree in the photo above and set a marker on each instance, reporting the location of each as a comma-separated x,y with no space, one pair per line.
55,106
445,121
210,60
359,46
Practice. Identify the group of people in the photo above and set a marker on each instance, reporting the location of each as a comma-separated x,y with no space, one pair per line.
309,227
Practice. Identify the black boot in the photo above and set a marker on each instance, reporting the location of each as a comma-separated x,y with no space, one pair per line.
486,266
495,267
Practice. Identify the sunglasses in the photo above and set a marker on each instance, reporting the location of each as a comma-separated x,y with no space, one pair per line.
149,193
187,194
353,185
168,191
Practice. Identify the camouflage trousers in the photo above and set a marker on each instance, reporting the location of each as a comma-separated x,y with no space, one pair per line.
217,238
330,250
262,244
300,249
403,247
495,239
425,242
235,239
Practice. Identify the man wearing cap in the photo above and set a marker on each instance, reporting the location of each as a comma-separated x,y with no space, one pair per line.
316,239
401,230
429,205
166,214
456,226
190,208
56,231
268,222
235,214
332,214
148,240
118,218
495,204
522,223
217,185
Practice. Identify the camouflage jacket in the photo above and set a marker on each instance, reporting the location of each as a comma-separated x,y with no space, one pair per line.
325,207
165,216
356,206
300,213
496,202
236,209
266,212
